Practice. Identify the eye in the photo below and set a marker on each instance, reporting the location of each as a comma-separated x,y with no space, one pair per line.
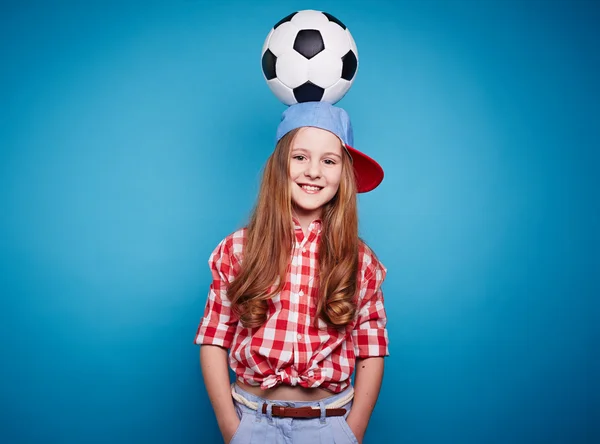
329,162
299,157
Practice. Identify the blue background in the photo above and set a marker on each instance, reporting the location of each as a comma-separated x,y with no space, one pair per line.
132,138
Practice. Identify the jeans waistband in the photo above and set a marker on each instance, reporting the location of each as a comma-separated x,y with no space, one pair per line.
328,400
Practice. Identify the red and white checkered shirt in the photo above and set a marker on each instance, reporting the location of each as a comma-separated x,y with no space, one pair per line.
288,349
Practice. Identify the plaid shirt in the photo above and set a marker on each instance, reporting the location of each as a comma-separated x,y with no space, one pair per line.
287,349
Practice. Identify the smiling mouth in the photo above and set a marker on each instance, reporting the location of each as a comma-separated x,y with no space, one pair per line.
310,188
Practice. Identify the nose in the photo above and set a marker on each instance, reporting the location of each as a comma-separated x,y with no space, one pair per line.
313,169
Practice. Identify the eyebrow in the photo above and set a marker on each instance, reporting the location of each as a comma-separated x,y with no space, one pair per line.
328,153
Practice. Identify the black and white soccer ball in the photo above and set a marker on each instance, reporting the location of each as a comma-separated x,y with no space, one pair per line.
309,56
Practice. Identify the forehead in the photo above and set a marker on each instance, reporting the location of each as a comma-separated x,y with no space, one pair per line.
317,140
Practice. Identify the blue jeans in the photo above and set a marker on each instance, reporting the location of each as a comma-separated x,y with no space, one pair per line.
262,428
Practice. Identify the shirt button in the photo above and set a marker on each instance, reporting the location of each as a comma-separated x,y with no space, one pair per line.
300,293
304,250
299,337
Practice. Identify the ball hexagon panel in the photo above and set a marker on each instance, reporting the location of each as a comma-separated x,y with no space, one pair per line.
336,91
335,39
292,69
285,94
282,38
352,43
325,69
267,40
309,19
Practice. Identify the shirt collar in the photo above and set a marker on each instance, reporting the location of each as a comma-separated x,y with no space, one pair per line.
315,223
314,230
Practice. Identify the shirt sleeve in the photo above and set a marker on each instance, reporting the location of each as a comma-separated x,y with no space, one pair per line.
370,334
218,324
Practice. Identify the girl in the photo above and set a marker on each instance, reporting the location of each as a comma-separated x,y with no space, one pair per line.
296,295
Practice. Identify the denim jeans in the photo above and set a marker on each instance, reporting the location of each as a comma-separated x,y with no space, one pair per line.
262,428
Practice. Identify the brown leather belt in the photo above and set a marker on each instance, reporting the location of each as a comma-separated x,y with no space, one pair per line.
301,412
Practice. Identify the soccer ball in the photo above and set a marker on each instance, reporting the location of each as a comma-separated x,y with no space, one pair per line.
309,56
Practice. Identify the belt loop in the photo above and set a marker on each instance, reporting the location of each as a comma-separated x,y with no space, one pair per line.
323,412
258,413
269,411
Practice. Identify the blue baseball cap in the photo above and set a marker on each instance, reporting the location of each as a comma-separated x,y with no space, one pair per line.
367,171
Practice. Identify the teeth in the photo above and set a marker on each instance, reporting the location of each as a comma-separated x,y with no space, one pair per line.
310,188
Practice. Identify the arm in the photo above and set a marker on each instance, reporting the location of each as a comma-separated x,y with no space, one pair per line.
367,383
370,346
215,370
215,335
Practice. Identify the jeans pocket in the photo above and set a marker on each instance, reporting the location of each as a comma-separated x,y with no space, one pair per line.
347,430
237,435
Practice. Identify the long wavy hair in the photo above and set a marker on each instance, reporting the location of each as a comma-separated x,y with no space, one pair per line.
270,238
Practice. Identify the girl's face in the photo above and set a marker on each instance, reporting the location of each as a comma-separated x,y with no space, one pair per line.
315,170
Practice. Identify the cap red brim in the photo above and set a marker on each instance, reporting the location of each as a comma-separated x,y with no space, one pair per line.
368,172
